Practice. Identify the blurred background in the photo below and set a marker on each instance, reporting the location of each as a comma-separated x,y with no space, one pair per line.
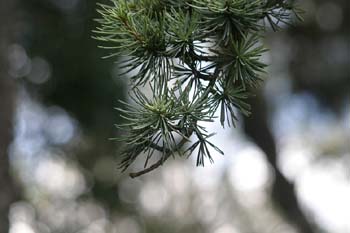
286,168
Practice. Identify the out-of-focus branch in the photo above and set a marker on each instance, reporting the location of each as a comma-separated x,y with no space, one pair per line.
283,192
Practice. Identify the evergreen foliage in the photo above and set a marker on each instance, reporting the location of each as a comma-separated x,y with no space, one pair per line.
197,56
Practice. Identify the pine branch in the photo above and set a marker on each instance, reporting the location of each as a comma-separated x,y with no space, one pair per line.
211,48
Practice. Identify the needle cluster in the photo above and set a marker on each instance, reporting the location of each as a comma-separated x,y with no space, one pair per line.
201,59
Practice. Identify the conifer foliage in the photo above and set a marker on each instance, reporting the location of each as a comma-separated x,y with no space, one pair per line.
199,58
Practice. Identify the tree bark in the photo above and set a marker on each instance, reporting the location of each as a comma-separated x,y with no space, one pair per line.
7,105
283,193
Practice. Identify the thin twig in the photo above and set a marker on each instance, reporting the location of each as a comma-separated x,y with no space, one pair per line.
160,161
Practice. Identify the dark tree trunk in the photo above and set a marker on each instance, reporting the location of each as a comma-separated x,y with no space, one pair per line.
283,193
7,105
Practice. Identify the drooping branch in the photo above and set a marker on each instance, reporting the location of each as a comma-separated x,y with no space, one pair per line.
154,37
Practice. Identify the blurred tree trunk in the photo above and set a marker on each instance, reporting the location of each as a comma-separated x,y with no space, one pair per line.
7,105
283,193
